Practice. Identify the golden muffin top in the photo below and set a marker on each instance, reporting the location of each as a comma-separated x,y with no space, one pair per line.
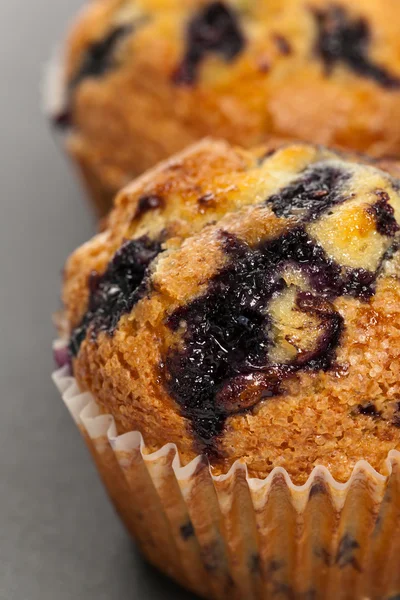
245,304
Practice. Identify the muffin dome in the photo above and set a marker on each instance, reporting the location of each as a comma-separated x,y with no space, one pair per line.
141,79
246,305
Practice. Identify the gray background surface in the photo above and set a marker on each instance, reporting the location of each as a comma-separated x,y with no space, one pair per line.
59,537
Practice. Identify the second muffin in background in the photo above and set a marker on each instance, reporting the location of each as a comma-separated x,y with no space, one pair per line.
141,79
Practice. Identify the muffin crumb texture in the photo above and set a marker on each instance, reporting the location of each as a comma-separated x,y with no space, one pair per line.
143,79
245,305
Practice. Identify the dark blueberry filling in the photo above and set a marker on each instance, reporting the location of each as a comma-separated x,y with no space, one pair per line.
369,410
315,191
97,60
389,254
358,283
327,278
214,30
117,290
148,203
383,213
331,325
224,366
99,57
343,39
205,202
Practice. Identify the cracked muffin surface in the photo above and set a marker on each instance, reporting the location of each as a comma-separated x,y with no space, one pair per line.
142,79
245,305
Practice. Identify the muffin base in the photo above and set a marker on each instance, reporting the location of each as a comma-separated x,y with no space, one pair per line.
235,537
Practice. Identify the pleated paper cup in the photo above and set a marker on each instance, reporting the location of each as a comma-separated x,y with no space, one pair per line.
236,537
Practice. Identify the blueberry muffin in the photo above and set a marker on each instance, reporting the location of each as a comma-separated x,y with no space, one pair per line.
246,305
141,79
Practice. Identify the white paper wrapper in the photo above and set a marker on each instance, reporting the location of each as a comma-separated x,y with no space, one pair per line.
236,537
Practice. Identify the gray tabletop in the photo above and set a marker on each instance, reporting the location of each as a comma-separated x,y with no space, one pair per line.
59,536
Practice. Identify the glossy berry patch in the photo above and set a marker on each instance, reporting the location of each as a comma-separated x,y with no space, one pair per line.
117,290
344,39
224,366
314,192
214,30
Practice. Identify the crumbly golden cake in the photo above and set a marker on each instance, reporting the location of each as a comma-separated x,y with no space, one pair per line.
141,79
246,304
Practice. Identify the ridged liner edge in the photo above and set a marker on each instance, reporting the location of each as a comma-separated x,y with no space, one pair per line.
237,537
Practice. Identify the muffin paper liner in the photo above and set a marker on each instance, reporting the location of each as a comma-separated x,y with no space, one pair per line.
236,537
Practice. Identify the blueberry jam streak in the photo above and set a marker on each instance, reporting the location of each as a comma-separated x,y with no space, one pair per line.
224,366
117,290
343,39
315,191
326,277
331,326
383,213
214,30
